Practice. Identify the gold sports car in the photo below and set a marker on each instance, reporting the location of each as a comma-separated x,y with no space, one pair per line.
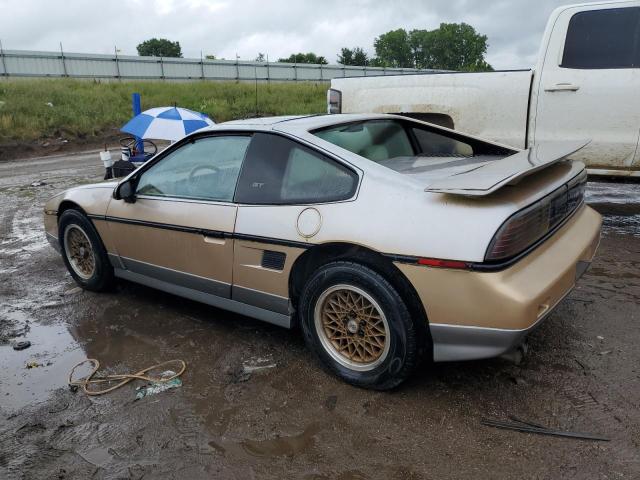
388,241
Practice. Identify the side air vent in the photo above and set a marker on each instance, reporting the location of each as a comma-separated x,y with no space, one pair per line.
273,260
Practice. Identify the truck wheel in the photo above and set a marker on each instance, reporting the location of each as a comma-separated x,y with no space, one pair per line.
359,327
83,252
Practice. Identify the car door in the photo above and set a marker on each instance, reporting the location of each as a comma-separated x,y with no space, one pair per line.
283,192
589,84
179,229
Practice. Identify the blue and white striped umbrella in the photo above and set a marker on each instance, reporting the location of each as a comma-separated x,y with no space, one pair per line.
166,123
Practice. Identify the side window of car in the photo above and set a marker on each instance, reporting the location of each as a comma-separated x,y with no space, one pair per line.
606,38
280,171
206,169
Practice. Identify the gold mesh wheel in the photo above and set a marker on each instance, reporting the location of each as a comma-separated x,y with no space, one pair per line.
352,327
79,252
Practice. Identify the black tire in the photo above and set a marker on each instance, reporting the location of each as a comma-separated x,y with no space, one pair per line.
100,278
404,335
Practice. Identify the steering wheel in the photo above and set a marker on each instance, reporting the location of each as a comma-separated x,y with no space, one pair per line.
195,179
150,148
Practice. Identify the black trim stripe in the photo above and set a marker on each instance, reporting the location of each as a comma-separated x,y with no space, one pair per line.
201,231
272,241
164,226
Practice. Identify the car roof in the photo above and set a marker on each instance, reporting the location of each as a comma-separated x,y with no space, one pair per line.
295,123
264,120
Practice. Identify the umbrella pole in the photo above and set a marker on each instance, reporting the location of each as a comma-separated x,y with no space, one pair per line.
137,110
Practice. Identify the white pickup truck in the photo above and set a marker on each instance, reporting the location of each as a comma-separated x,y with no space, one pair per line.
585,86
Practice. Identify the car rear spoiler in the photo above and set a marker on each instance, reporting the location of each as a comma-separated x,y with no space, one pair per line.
486,178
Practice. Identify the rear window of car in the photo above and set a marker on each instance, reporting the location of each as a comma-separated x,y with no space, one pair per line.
410,147
601,39
384,140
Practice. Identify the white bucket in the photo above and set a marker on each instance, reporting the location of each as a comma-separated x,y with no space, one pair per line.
107,161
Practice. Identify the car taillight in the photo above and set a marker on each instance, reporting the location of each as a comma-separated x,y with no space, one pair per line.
527,226
334,101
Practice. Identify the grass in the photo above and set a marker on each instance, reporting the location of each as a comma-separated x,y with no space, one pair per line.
86,109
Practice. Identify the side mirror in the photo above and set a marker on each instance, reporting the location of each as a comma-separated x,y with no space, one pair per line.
126,191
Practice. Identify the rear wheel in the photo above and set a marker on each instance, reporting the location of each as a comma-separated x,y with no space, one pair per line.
359,326
83,252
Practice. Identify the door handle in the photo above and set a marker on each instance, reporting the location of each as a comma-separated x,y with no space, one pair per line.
214,240
562,87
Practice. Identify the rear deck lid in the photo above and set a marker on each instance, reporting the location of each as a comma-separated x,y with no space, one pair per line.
480,176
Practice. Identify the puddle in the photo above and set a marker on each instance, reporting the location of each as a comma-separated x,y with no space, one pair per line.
621,224
619,203
97,456
53,347
613,192
285,446
25,235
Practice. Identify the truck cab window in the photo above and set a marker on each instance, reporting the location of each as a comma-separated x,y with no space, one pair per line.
599,39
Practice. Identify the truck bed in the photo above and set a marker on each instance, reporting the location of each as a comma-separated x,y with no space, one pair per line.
488,104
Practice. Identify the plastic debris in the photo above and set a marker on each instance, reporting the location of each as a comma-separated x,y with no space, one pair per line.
39,183
530,427
117,380
257,368
72,291
157,387
21,345
257,364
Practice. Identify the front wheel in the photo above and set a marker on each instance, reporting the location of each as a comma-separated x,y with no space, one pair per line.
358,325
83,252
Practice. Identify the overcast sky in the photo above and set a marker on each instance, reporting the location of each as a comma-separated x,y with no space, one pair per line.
275,27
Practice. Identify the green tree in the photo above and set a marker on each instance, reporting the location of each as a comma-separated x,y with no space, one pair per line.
393,49
356,56
309,57
159,47
452,46
260,58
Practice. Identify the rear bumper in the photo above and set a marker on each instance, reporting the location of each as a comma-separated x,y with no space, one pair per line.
475,315
458,342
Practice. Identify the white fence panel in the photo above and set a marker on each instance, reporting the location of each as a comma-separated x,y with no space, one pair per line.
23,63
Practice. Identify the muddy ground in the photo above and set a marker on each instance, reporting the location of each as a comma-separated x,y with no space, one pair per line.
292,420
